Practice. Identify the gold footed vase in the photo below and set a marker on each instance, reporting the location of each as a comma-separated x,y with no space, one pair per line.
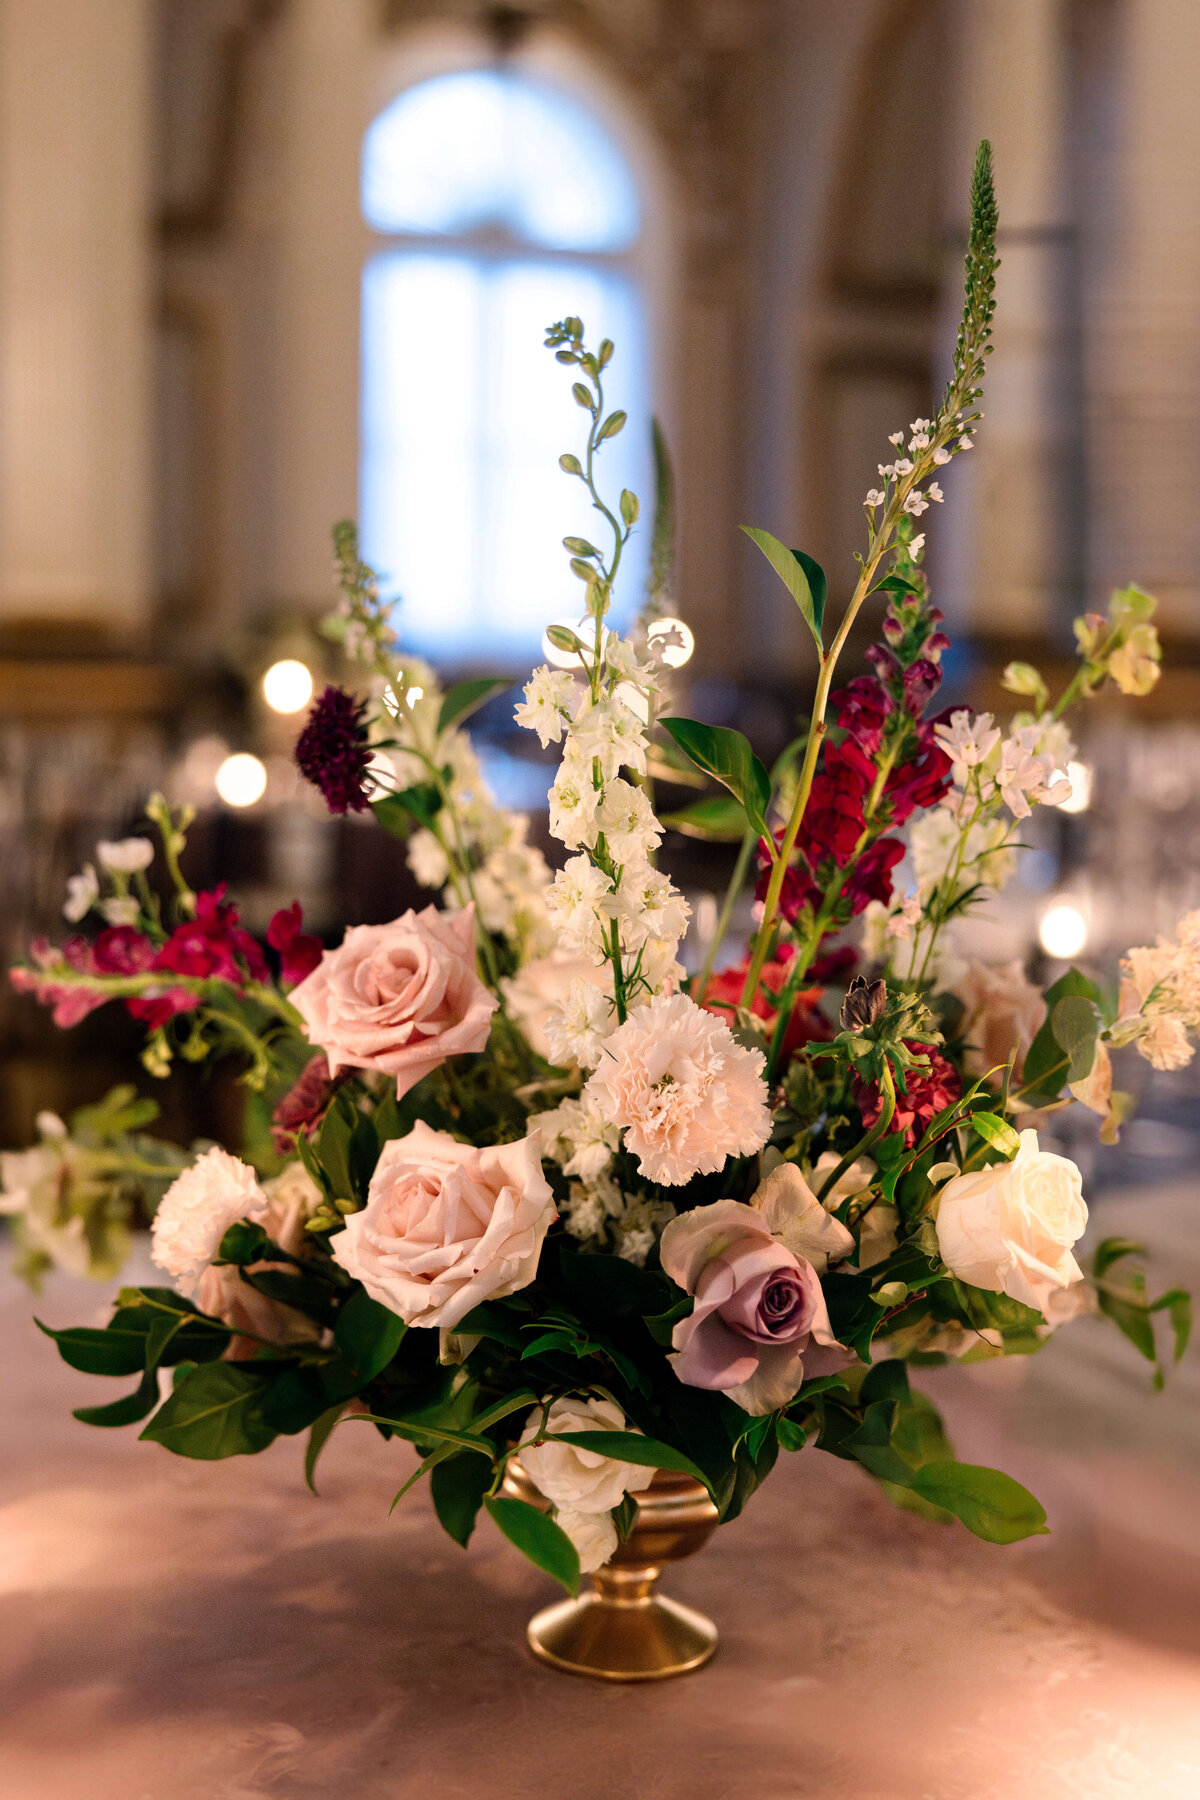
623,1630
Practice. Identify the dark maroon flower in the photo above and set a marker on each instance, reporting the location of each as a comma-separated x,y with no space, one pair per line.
299,953
799,889
155,1010
833,819
304,1103
927,1093
920,782
827,969
862,710
922,680
332,752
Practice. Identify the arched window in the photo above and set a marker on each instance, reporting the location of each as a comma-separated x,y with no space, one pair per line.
499,204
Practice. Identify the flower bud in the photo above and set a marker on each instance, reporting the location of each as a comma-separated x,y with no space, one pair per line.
863,1005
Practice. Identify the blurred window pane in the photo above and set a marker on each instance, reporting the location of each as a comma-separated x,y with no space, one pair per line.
504,203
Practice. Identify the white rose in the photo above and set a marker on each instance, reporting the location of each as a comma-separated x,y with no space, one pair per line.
593,1534
446,1225
575,1480
1010,1228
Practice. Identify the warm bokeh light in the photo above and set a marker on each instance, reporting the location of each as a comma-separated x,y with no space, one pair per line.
671,642
241,780
287,686
1080,777
1063,931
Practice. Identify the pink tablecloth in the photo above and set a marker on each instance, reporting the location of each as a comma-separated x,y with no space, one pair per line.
187,1631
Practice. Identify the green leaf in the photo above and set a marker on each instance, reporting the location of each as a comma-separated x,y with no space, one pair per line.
989,1502
1076,1023
126,1411
632,1447
466,697
320,1432
1178,1307
458,1485
791,1436
244,1242
539,1538
368,1334
215,1411
398,812
803,578
997,1132
1046,1065
614,423
727,756
1111,1250
109,1352
720,819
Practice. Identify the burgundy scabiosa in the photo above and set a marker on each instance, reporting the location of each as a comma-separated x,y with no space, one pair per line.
332,752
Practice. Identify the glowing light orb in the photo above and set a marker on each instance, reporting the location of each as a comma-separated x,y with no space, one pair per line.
1080,777
1063,931
670,641
568,659
241,780
287,686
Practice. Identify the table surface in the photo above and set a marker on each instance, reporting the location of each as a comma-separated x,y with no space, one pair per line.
209,1631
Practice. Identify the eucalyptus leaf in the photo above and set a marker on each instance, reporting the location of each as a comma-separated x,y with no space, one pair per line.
1076,1023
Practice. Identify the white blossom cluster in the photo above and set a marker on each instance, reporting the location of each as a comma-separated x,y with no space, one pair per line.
1023,768
119,861
608,905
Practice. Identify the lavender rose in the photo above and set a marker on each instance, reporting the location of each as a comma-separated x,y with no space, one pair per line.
446,1225
759,1327
400,997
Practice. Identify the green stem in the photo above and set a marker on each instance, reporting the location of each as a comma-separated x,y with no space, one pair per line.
725,916
871,1138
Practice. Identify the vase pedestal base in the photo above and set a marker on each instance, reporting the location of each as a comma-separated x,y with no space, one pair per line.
610,1638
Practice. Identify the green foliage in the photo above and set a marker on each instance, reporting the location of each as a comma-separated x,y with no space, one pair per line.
1047,1062
458,1485
1126,1301
367,1334
419,805
803,578
629,1446
1076,1024
728,758
466,697
989,1502
214,1412
539,1538
997,1132
720,819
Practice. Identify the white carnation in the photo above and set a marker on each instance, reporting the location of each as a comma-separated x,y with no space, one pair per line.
197,1210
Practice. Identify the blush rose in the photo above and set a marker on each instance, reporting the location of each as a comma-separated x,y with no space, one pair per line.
400,998
447,1225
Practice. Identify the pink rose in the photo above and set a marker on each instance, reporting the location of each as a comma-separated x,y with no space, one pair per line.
759,1327
446,1225
400,997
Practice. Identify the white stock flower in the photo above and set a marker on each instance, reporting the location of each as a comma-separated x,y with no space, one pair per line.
627,820
576,899
915,503
1022,776
896,437
611,733
646,901
197,1210
575,1031
577,1136
916,544
622,661
548,703
83,890
122,909
573,801
1010,1228
127,856
685,1093
941,457
573,1478
934,492
875,497
427,859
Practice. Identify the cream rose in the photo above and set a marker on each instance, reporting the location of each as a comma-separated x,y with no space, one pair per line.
1010,1227
446,1225
400,997
575,1480
593,1534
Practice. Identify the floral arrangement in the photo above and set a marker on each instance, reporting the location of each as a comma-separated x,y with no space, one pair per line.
517,1183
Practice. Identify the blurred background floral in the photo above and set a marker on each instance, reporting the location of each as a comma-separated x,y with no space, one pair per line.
268,263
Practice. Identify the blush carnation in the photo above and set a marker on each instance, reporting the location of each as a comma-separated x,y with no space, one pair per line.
685,1093
197,1210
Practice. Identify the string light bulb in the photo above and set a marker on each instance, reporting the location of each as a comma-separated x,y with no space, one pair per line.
1063,929
670,641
